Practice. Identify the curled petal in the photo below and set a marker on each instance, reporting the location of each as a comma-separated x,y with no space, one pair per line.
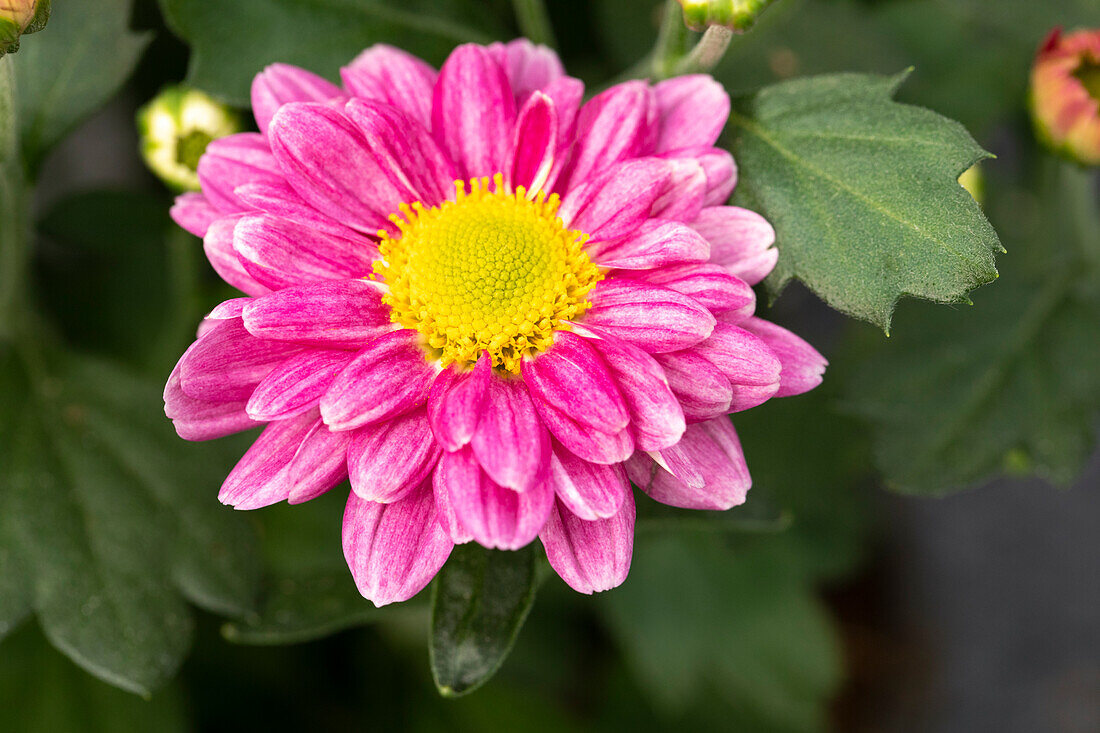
319,464
194,212
261,477
654,318
200,419
746,361
296,385
218,247
590,555
700,387
740,240
692,110
589,490
803,366
394,550
456,402
591,445
535,146
617,203
656,243
389,459
447,519
510,441
685,191
281,83
571,377
529,67
709,285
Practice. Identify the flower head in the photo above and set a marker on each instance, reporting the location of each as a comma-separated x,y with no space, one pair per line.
19,17
1065,95
175,128
737,15
489,304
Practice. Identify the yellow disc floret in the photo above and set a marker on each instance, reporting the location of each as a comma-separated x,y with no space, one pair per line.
490,271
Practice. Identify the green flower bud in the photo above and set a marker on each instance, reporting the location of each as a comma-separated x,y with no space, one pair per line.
737,15
175,128
974,183
18,18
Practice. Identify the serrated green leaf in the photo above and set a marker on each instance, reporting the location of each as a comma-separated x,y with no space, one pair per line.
71,68
110,520
863,193
232,42
1009,385
480,600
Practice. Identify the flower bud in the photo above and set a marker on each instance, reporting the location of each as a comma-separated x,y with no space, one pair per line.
1065,95
18,18
737,15
175,128
974,182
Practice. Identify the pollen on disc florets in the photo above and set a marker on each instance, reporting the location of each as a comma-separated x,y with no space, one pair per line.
492,271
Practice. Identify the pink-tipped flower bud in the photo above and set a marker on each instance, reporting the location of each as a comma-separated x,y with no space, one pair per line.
1065,95
18,18
737,15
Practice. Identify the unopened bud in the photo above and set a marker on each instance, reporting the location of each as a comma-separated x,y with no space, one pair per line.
18,18
737,15
175,128
1065,95
974,183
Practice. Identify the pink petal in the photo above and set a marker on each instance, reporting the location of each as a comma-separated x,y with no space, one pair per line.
227,362
405,151
194,212
280,200
232,308
571,377
740,240
296,385
390,75
319,464
200,419
567,94
656,319
656,419
693,110
218,247
721,175
613,126
594,555
334,314
394,550
260,478
281,83
803,366
529,67
746,361
447,519
232,161
388,377
702,390
496,516
709,285
591,445
456,402
510,442
279,253
656,243
684,193
473,111
390,458
589,490
617,203
328,162
535,145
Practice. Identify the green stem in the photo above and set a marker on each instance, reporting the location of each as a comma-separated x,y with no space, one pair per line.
534,21
707,52
1079,187
14,214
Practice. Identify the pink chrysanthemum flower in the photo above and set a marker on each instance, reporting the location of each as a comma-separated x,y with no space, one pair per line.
485,303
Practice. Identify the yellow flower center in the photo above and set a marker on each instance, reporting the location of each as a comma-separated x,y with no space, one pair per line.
490,271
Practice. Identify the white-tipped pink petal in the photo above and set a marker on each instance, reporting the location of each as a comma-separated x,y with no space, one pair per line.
232,308
571,377
705,470
803,366
319,464
200,419
496,517
692,109
279,84
394,550
510,442
654,318
296,385
618,202
746,361
656,243
334,314
405,151
612,126
740,240
685,191
535,145
656,419
281,200
474,111
447,519
567,94
590,555
260,478
456,402
234,160
388,377
388,459
393,76
708,284
194,212
589,490
591,445
279,253
529,67
701,388
227,362
325,158
721,173
217,244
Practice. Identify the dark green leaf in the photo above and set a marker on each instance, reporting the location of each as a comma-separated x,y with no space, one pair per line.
232,42
1009,385
863,193
112,516
71,68
479,603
